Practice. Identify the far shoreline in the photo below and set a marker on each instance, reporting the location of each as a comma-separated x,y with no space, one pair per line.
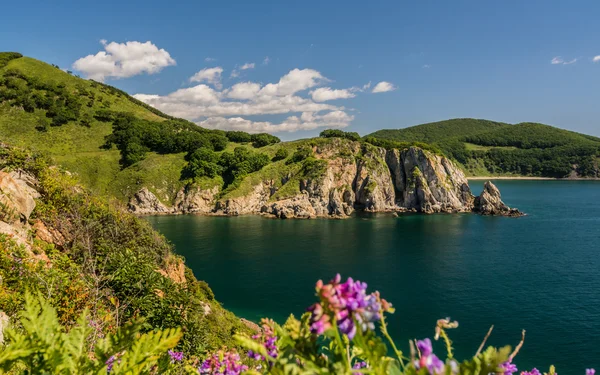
480,178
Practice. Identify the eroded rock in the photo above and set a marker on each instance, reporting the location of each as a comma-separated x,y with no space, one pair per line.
490,203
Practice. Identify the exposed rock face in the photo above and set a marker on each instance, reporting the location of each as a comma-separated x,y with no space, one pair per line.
192,199
144,202
428,183
347,176
490,203
16,203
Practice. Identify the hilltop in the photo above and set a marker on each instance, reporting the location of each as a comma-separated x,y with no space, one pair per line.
487,148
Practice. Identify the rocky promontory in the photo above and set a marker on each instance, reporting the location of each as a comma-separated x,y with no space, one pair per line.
343,176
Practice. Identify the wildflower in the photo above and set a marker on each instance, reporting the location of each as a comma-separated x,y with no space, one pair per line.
427,359
533,372
508,368
346,303
590,371
110,363
358,366
268,339
222,362
175,356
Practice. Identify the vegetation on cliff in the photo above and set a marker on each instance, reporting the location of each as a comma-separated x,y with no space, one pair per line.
485,147
84,253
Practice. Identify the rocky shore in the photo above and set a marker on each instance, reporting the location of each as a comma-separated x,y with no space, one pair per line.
354,177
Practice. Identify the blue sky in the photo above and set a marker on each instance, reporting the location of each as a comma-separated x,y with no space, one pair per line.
445,59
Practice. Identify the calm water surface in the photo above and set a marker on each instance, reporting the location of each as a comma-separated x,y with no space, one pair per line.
540,273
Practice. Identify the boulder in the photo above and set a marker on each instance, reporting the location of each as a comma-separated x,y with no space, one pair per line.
144,202
16,203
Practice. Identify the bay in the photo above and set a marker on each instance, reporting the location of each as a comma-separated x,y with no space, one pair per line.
540,272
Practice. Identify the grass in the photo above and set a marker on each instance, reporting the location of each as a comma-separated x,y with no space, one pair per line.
474,147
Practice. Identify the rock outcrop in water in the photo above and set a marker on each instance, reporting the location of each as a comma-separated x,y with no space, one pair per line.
490,203
343,177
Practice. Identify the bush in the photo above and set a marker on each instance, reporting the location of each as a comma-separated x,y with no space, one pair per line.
202,163
299,155
336,133
263,139
238,137
281,154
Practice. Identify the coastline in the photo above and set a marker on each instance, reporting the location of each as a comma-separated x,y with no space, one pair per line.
480,178
477,178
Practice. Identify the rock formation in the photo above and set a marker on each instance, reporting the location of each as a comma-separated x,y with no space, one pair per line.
490,203
346,176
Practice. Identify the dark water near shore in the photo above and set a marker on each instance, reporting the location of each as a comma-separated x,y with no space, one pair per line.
540,272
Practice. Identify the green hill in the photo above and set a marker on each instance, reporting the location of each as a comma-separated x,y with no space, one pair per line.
439,131
491,148
113,143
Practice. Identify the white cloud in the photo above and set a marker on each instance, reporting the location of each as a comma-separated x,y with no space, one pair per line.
306,121
596,59
426,66
296,80
266,61
122,60
366,86
323,94
210,59
558,60
383,86
209,75
247,66
243,90
224,109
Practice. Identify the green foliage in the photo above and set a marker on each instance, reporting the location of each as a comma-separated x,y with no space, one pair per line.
240,163
336,133
135,137
41,345
281,154
389,144
300,154
238,136
109,262
524,149
202,163
439,131
5,57
264,139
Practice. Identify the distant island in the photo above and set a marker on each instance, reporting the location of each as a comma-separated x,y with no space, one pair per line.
118,146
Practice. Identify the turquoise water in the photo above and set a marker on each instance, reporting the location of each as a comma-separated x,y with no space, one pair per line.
540,272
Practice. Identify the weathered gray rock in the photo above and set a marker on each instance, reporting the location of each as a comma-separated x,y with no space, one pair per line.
3,324
144,202
428,183
490,203
193,199
16,203
349,176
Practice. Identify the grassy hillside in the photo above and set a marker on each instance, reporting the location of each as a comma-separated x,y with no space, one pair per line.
113,143
490,148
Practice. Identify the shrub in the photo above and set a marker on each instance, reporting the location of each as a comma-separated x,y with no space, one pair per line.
336,133
281,154
263,139
300,154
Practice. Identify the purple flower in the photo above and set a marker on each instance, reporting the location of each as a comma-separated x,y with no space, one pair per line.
534,371
268,339
346,303
110,363
358,366
427,359
222,363
175,356
590,371
508,368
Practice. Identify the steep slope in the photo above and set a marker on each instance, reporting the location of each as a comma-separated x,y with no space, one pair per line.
81,253
488,148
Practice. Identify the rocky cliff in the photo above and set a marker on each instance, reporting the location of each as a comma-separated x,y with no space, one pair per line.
341,176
